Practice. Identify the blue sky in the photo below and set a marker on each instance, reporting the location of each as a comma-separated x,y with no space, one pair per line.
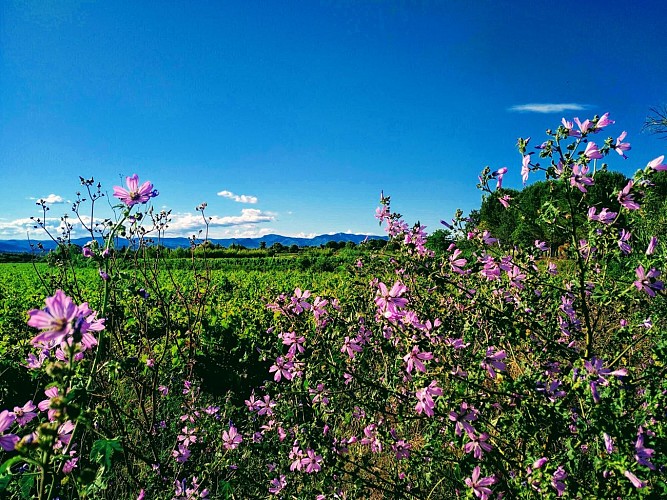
301,112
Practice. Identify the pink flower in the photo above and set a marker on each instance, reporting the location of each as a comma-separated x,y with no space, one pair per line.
592,152
402,449
603,122
278,484
498,175
493,362
7,441
25,413
282,369
478,445
557,480
311,462
657,164
621,146
623,242
648,282
134,193
389,301
608,443
583,127
525,168
569,126
505,200
55,320
541,246
636,482
425,398
462,419
414,359
231,439
479,486
457,262
626,199
580,178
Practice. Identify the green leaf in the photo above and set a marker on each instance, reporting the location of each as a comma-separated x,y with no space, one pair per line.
103,450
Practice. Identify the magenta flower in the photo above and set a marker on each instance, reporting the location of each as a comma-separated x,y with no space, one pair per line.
592,152
231,439
648,282
656,164
134,193
479,485
621,147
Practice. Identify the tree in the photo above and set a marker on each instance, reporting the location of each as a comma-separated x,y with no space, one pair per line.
656,121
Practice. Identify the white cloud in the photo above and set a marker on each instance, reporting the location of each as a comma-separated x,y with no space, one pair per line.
187,222
51,199
548,108
21,228
239,198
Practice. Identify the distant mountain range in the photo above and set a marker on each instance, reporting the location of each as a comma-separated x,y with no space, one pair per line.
21,246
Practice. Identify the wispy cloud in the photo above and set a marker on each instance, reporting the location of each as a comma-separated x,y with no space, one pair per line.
548,107
51,199
239,198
